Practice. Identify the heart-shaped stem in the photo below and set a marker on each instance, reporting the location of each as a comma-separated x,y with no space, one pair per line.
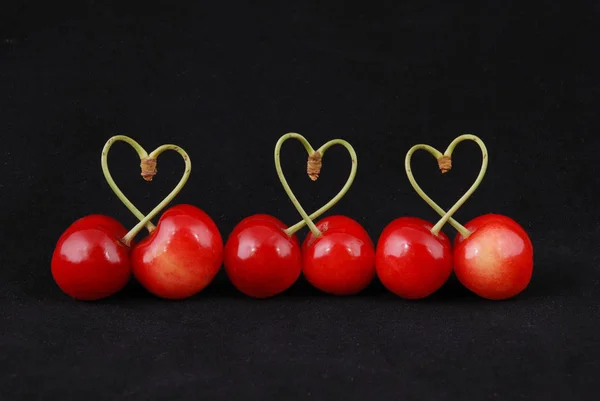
313,170
186,173
111,182
445,164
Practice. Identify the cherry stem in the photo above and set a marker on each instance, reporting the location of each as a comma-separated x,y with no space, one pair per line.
144,220
306,219
447,216
111,182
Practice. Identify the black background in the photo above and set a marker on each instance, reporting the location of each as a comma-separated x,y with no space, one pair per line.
224,80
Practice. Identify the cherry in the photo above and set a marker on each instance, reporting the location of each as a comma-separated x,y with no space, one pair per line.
95,220
412,261
89,261
340,261
489,218
261,259
495,261
181,256
264,217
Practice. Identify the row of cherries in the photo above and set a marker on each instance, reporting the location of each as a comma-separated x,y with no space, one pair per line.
94,258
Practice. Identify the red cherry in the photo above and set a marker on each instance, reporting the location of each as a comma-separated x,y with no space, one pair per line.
96,220
496,260
485,219
266,218
342,260
181,256
412,262
89,261
261,260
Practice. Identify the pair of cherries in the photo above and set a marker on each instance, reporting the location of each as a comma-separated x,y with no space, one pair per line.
495,261
263,257
95,257
492,254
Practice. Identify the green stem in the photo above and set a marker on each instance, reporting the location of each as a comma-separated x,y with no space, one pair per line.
188,169
111,183
467,195
411,178
306,219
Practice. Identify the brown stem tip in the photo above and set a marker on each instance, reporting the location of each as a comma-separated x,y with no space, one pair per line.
445,164
148,166
313,165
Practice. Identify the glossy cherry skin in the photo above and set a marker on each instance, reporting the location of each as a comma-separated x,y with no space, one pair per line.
181,256
99,220
410,261
496,260
261,260
342,260
89,262
250,220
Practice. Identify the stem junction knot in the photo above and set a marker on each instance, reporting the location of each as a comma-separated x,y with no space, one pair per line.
445,164
313,165
148,165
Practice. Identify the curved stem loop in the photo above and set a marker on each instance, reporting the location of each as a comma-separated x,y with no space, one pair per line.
306,219
447,216
111,182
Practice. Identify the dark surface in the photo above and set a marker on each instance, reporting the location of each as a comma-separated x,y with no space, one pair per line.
225,81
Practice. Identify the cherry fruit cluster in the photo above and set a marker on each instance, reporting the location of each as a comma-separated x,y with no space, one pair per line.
95,257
